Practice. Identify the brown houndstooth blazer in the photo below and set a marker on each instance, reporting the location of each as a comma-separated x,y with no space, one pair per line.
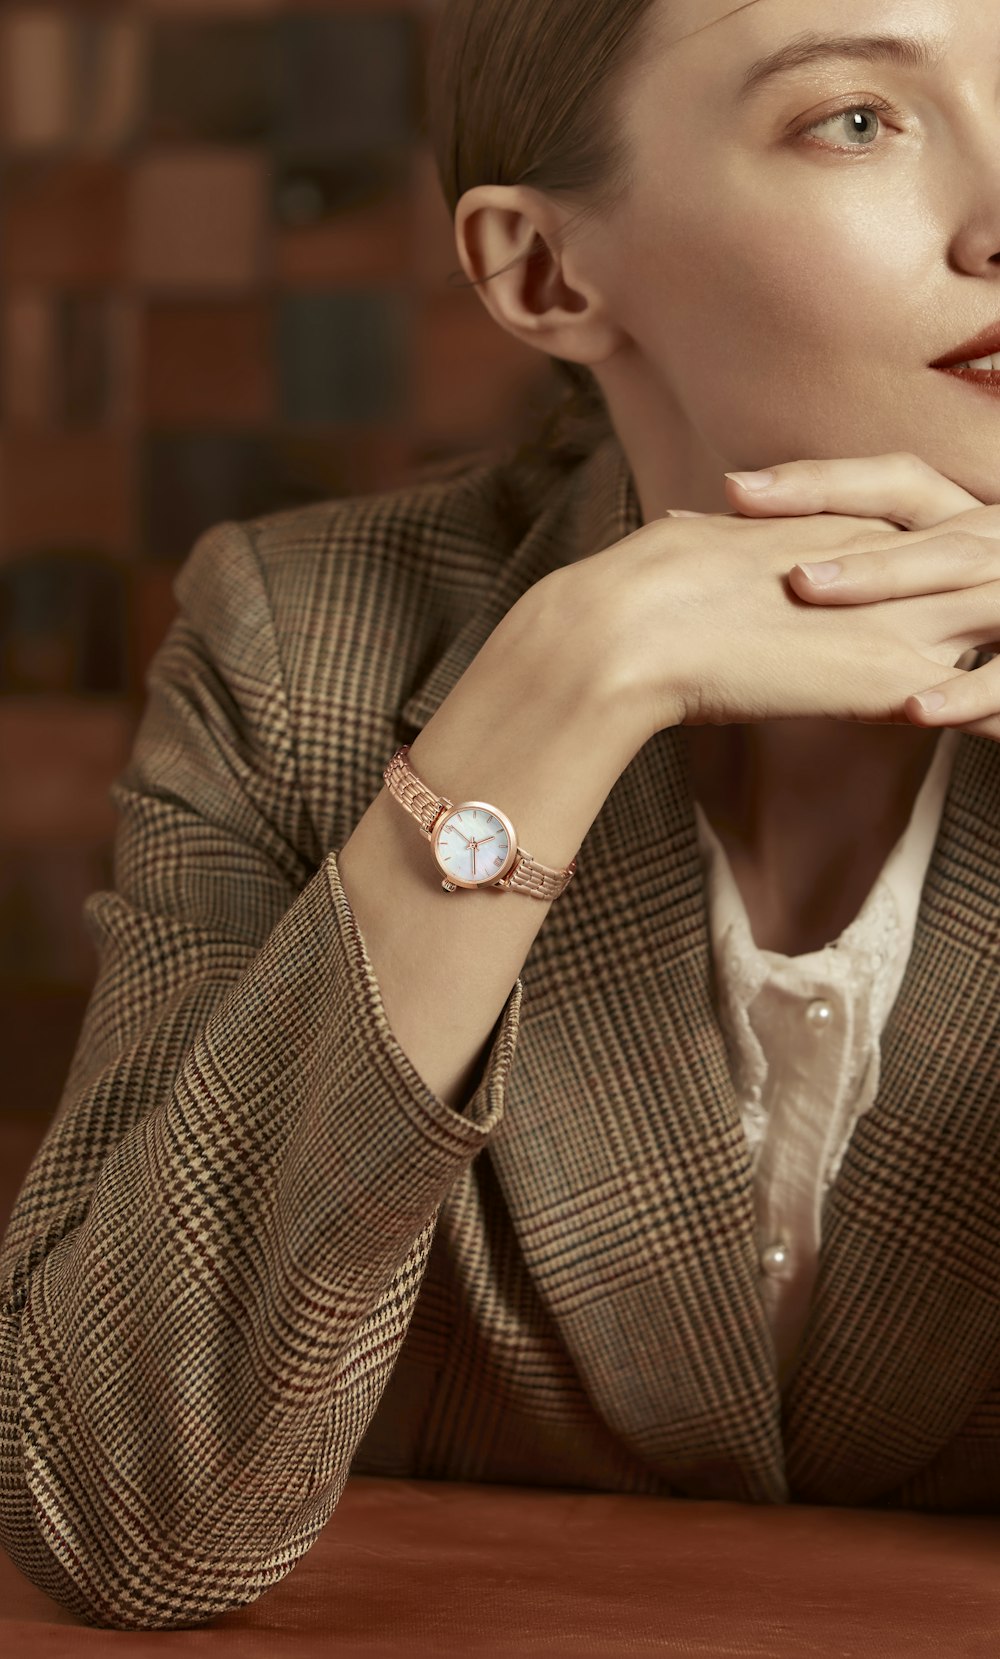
255,1252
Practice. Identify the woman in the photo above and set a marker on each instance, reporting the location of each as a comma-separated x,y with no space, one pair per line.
733,1232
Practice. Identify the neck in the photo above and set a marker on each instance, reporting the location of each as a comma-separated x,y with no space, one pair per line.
671,463
816,778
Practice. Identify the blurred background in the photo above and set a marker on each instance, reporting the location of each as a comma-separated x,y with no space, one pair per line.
228,284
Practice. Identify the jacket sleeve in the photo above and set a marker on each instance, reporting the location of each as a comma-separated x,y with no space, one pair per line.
212,1264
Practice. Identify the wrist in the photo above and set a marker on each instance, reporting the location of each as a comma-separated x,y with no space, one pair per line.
564,654
519,733
474,842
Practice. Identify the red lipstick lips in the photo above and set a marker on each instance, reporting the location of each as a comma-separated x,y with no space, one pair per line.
984,344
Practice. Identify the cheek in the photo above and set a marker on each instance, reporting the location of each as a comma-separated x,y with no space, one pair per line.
778,289
778,327
781,282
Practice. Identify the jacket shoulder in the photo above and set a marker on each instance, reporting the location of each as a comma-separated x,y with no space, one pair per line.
364,595
432,532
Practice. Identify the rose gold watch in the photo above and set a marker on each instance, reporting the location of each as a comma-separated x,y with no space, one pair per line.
474,843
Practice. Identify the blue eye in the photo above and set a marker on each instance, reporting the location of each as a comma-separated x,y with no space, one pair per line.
865,123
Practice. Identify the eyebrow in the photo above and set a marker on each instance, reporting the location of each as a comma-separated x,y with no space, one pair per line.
903,50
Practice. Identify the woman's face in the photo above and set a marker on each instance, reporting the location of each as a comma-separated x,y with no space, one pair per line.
790,261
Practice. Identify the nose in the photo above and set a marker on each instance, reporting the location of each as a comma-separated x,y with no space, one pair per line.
975,243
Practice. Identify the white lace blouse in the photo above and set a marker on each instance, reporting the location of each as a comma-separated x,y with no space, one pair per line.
803,1036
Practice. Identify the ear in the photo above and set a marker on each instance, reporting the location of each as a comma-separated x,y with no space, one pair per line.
538,287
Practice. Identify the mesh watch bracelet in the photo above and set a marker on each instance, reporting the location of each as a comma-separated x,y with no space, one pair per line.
526,876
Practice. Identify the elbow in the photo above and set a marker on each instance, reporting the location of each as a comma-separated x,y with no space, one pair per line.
109,1595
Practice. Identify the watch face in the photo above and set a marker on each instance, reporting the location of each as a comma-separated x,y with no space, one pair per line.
472,845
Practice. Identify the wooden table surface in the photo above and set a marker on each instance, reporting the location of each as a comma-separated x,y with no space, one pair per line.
434,1568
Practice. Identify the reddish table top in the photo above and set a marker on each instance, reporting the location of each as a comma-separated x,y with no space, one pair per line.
442,1567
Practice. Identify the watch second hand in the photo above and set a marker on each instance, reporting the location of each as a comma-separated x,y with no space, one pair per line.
475,845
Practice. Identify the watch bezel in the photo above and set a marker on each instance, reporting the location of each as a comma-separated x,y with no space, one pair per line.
446,814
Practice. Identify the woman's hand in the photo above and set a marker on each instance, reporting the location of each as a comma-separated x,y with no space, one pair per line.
896,490
695,619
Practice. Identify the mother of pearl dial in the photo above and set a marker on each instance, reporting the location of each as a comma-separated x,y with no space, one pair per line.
472,845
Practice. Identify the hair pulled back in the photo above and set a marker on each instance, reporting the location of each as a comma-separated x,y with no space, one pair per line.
527,92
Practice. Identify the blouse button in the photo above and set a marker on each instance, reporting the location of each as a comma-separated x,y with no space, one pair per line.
774,1258
819,1014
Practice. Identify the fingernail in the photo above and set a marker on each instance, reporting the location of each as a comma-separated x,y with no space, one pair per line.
931,701
822,573
752,480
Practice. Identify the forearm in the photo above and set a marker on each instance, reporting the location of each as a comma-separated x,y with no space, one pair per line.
540,738
212,1264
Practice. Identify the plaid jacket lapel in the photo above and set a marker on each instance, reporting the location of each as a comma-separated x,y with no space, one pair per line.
591,510
904,1329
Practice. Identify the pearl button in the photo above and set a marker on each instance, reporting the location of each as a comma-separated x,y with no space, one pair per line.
819,1014
774,1258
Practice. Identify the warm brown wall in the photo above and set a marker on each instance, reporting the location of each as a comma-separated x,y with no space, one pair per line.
224,263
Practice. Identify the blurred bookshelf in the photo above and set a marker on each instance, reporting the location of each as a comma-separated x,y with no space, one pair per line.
225,289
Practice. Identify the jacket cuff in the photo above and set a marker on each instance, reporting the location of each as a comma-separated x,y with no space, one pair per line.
477,1119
